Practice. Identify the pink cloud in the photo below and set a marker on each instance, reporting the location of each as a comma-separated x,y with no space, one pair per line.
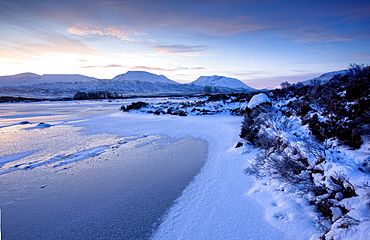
179,49
361,57
105,66
145,68
122,32
311,34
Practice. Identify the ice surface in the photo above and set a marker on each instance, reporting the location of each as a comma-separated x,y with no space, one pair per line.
13,157
79,184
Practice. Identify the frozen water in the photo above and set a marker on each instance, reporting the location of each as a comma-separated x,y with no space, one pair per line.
110,185
60,182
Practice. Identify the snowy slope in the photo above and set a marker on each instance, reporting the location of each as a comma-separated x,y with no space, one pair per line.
62,85
143,76
326,77
31,78
220,81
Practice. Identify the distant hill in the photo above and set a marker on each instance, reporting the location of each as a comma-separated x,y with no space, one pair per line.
326,77
222,82
142,76
32,78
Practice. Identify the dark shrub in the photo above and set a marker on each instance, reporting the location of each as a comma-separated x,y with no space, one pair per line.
134,106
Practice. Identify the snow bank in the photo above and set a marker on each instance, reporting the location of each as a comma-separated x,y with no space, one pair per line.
257,100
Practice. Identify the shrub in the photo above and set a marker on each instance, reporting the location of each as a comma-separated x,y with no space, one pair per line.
134,106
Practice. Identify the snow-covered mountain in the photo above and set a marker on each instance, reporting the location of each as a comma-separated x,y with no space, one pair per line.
62,85
221,82
142,76
326,77
137,83
32,78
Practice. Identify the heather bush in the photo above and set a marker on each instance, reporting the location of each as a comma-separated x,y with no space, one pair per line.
134,106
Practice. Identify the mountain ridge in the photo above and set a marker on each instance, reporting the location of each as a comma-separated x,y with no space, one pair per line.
221,81
127,84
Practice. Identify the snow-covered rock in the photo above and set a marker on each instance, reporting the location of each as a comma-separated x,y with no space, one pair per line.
220,81
257,100
143,76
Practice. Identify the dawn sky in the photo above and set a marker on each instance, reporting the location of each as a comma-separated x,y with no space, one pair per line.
261,42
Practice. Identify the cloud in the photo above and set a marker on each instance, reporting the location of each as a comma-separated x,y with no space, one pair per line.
123,32
27,37
186,68
216,26
240,24
145,68
21,49
252,73
179,49
105,66
315,34
367,57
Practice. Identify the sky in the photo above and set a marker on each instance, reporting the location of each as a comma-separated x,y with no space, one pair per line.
261,42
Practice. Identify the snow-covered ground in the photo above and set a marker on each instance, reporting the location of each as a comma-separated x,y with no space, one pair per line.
221,202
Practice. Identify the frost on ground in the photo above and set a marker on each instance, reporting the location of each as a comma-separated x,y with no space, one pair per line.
314,144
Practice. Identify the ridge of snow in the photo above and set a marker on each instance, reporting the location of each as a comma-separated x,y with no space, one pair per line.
257,100
143,76
220,81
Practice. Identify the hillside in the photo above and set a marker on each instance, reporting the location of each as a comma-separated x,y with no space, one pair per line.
28,79
142,76
221,82
326,77
313,143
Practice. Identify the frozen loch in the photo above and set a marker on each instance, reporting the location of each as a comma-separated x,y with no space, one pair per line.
74,171
84,170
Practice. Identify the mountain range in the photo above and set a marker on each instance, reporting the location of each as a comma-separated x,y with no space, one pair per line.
132,83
